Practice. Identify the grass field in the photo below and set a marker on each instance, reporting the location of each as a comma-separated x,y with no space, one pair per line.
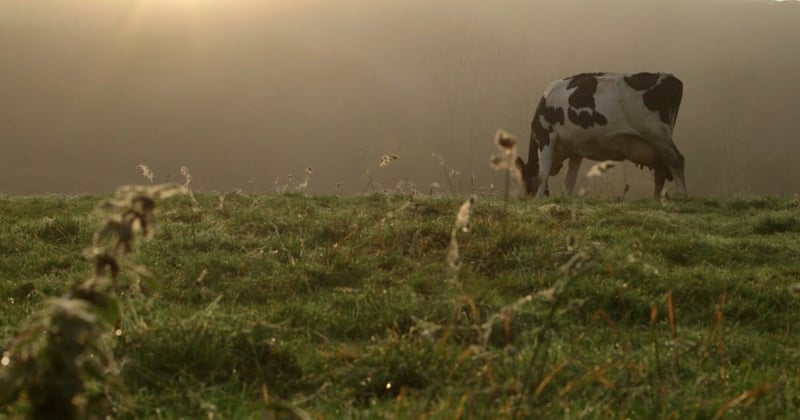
346,307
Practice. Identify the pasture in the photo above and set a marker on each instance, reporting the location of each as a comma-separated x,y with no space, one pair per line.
347,307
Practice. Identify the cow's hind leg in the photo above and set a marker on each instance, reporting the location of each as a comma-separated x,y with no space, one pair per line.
674,161
677,173
660,177
572,173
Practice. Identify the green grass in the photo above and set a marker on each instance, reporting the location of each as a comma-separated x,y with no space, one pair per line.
345,306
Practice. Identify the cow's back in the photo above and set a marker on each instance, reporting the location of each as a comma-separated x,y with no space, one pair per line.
600,105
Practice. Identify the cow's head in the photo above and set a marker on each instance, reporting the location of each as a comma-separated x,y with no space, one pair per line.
529,173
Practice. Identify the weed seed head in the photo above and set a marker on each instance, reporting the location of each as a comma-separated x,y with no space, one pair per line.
387,159
600,168
464,213
146,172
186,176
433,187
505,142
498,163
507,145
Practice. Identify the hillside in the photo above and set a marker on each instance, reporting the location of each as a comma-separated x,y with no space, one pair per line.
341,307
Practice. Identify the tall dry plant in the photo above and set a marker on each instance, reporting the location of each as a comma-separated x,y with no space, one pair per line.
60,365
290,184
145,172
187,179
449,174
507,144
303,186
463,223
283,188
385,161
600,171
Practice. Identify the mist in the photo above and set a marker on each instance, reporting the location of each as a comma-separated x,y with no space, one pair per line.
246,92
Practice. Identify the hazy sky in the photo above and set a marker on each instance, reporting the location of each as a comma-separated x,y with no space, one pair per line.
245,92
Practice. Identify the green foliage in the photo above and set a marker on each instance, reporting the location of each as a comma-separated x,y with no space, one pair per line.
770,223
60,365
207,352
59,230
347,307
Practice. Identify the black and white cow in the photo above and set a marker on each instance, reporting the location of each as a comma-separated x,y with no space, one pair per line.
605,116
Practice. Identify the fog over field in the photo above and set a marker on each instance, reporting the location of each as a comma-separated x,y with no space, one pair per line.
244,92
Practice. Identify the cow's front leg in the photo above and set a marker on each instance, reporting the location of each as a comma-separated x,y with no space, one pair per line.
572,173
545,163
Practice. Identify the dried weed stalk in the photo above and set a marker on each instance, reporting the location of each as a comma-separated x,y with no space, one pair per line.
385,161
507,144
187,179
146,172
449,174
600,171
303,186
463,224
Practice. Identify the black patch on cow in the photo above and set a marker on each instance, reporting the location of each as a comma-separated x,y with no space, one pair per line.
586,119
665,98
582,110
553,115
642,81
578,77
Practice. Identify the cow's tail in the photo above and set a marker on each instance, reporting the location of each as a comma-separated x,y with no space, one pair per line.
675,160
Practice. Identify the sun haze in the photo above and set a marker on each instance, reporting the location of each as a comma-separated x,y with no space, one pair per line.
246,92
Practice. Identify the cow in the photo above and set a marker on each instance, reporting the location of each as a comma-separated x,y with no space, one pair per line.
605,116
